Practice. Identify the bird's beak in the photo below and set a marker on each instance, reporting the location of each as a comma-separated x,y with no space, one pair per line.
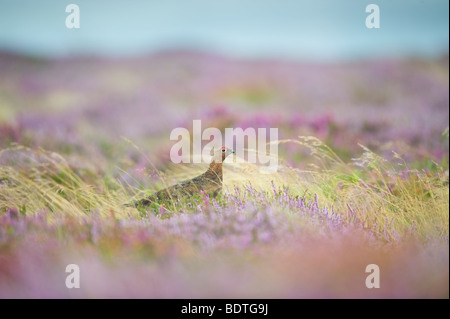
233,152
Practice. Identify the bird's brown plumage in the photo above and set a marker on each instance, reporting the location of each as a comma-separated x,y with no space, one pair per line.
209,182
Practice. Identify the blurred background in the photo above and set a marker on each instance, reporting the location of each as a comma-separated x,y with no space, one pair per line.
142,68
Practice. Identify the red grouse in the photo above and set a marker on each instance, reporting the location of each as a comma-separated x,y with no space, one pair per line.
209,182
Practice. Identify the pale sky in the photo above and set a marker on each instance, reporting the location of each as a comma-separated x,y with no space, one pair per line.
321,29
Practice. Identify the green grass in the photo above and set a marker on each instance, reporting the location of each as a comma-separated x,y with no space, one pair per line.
388,197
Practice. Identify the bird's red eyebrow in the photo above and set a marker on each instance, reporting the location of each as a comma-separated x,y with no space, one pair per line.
223,148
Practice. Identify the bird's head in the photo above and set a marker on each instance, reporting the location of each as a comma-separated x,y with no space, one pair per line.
219,155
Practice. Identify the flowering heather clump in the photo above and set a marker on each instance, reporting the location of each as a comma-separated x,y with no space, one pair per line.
249,241
362,179
278,250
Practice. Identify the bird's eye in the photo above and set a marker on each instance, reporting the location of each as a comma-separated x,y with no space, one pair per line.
223,150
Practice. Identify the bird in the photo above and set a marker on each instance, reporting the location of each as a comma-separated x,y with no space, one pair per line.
209,182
